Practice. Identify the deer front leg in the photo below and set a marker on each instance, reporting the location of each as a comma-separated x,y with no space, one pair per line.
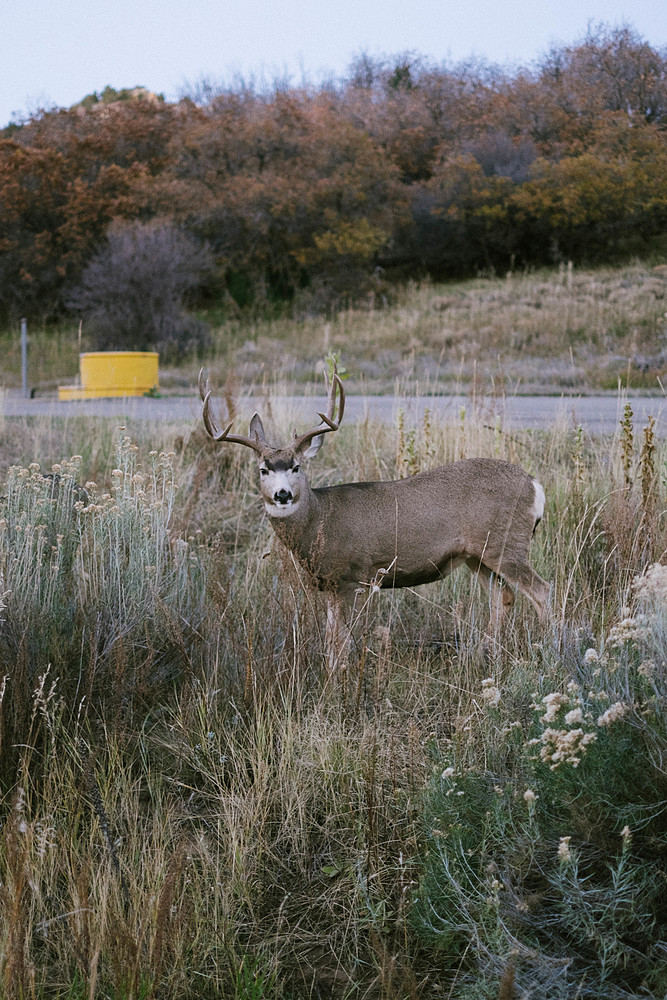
338,636
501,598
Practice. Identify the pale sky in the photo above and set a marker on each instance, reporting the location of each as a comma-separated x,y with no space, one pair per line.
54,52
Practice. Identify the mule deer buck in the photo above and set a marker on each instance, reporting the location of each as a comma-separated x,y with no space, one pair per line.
479,511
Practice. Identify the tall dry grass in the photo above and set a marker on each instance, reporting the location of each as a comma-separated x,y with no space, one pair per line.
192,806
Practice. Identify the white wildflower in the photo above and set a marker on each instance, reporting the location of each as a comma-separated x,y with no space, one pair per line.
448,772
614,713
626,835
646,669
628,630
563,746
553,703
591,656
576,715
529,796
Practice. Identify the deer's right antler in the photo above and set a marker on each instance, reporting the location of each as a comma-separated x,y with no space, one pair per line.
210,424
328,417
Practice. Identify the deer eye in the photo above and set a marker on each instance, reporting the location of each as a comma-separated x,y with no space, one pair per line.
296,468
263,472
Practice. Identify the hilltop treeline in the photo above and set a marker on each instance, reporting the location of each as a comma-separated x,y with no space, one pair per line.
318,193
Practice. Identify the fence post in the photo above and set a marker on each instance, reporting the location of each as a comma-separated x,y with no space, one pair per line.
24,359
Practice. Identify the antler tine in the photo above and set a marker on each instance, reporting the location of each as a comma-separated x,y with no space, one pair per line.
202,383
327,417
210,425
333,387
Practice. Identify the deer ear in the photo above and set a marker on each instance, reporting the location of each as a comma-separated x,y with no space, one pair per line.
257,429
313,447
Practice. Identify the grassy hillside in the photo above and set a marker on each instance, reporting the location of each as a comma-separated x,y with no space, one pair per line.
544,332
191,807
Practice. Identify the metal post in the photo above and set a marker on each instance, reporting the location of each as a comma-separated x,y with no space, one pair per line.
24,359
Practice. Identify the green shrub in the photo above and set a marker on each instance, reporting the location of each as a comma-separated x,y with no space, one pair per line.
553,854
97,580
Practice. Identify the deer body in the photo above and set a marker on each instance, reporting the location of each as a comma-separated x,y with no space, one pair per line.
479,511
402,533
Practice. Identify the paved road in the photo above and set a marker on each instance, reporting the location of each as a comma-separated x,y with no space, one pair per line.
597,414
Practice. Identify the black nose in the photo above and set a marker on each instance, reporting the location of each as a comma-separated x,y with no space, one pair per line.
282,496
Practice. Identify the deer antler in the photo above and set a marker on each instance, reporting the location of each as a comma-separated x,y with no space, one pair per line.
211,427
328,417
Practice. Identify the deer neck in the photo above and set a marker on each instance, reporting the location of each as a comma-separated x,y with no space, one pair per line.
299,528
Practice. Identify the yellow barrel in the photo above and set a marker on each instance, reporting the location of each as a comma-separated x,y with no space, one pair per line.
114,373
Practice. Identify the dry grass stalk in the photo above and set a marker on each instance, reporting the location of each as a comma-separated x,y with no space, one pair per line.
506,991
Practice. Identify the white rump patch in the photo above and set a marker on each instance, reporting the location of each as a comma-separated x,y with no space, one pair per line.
538,504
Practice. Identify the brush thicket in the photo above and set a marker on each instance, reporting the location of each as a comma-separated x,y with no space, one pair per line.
192,805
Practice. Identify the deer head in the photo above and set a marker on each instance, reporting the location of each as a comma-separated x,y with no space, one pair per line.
282,481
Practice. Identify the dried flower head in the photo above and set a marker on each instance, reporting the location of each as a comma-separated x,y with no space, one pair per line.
564,853
553,703
646,669
628,630
490,693
614,713
652,584
563,746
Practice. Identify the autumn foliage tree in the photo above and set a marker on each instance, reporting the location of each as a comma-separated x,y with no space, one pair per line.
315,195
51,219
287,192
64,177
